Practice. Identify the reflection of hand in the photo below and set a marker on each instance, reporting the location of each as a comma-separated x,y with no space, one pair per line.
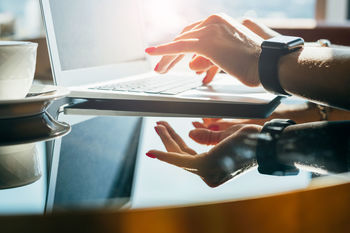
227,159
219,42
299,113
210,137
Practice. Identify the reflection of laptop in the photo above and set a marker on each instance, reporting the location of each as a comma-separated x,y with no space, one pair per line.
93,166
97,49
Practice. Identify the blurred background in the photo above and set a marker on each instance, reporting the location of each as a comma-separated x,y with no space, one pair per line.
164,19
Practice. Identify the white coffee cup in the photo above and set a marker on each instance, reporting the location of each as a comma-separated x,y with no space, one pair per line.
17,67
19,165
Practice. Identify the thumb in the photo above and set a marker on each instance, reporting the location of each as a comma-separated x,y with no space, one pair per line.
207,137
200,63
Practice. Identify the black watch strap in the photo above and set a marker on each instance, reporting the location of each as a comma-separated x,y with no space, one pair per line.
268,72
271,52
266,149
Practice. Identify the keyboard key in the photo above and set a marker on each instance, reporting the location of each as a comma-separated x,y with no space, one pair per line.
169,85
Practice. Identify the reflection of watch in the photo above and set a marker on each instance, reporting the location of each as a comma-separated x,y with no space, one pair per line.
266,149
271,51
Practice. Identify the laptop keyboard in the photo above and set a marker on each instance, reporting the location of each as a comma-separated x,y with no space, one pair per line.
167,84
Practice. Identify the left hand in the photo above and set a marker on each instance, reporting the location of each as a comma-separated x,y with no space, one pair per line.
227,159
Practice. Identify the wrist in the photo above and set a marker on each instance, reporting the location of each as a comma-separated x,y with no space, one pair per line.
253,70
248,142
285,65
272,51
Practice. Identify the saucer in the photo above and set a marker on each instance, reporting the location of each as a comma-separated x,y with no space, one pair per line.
41,127
36,102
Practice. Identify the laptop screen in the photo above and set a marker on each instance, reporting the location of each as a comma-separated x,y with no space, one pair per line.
92,33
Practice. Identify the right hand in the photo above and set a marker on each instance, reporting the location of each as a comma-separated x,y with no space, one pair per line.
219,42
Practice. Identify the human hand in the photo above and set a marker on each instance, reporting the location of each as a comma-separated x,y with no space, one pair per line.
233,42
218,124
227,159
300,113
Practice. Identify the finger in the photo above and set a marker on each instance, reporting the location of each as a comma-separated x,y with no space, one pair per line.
168,141
199,72
210,75
195,33
167,62
259,29
180,160
214,127
200,63
173,63
175,48
191,26
225,124
213,19
197,124
164,62
208,121
208,137
177,138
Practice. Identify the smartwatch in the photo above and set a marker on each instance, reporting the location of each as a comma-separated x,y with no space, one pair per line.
271,51
266,156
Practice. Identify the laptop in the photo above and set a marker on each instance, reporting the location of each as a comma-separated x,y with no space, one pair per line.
97,51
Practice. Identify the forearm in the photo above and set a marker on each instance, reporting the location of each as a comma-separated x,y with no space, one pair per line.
319,74
324,145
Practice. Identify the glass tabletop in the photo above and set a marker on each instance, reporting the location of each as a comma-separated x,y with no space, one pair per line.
103,160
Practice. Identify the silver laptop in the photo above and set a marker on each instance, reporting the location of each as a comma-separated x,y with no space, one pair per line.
97,50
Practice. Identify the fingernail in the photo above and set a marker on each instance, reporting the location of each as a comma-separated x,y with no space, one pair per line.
155,128
156,68
196,124
150,49
151,155
214,127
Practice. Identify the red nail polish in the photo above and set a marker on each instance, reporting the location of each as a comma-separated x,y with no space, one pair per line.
150,49
151,155
214,127
197,124
155,128
156,68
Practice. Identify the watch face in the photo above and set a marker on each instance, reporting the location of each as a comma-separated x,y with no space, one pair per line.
283,43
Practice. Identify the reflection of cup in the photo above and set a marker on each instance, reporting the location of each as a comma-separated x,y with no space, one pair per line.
17,67
19,165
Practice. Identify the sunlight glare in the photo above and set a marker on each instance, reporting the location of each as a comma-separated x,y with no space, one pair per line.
162,19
